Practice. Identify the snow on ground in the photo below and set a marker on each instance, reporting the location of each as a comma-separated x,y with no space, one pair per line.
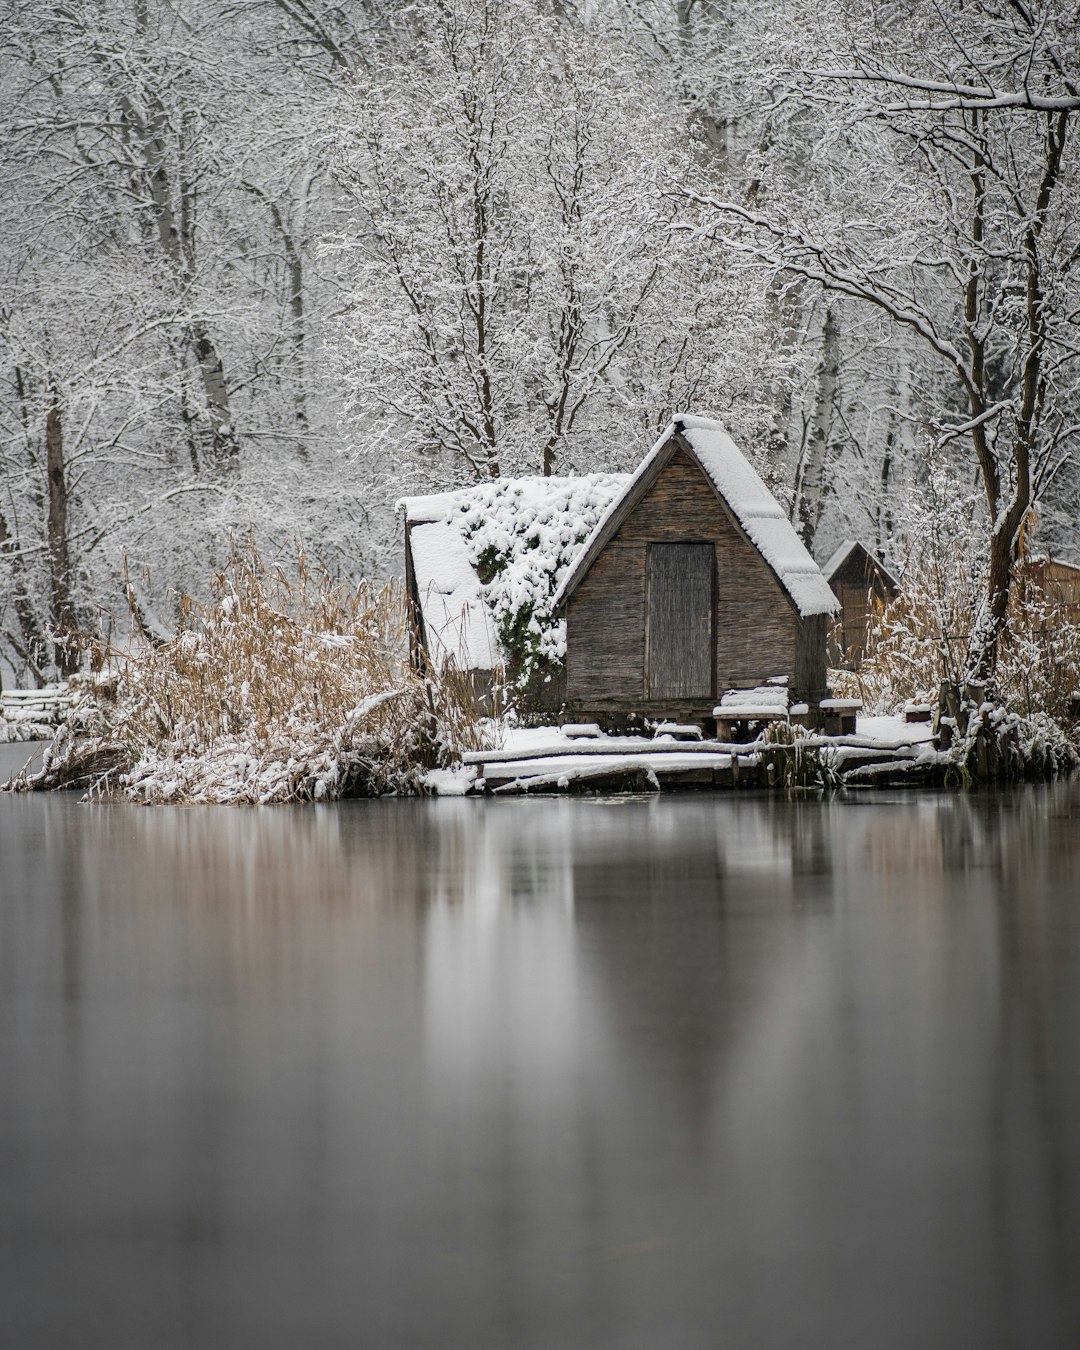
12,732
454,782
662,760
523,739
894,730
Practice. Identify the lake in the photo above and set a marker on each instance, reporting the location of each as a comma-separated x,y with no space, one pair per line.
698,1071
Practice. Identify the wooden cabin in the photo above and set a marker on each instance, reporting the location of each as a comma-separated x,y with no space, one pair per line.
1057,583
861,582
693,582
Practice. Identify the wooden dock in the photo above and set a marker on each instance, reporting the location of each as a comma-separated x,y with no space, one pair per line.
637,764
45,707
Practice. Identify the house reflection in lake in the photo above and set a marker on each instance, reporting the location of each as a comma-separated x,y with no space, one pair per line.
546,1071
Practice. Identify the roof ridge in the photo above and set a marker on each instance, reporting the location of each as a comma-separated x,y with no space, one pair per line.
756,511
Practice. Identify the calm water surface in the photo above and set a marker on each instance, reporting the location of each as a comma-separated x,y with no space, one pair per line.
698,1072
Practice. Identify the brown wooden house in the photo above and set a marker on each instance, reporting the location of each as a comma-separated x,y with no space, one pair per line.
861,582
1057,583
692,583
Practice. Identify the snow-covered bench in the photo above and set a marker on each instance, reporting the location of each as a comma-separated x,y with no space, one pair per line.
581,731
840,715
676,731
739,707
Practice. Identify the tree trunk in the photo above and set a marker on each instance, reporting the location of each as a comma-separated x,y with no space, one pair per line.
172,201
884,520
1003,554
31,645
295,266
62,608
222,446
810,478
782,310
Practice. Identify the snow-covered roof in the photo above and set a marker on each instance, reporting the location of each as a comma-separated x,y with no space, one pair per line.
436,506
457,624
841,555
751,503
523,533
1046,560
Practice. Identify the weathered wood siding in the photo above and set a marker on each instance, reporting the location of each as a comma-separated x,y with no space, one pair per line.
605,628
680,610
859,584
755,625
1057,584
417,636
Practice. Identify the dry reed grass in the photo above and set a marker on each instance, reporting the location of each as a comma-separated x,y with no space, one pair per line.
925,637
285,687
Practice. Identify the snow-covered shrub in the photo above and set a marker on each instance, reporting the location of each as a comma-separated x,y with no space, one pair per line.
522,534
922,639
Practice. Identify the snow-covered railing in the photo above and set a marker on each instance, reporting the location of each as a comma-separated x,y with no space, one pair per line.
44,707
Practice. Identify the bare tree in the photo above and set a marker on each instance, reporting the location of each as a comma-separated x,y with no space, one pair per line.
961,229
518,299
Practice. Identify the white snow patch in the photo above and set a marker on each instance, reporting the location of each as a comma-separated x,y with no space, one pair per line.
521,740
454,782
456,620
579,766
894,730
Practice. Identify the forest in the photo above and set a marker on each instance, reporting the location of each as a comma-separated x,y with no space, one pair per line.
268,265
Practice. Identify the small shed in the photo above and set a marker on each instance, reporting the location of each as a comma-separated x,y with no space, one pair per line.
692,582
1058,584
860,581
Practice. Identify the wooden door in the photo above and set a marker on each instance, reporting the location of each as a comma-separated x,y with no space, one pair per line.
679,621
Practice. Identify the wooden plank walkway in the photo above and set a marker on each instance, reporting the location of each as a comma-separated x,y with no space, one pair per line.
630,763
44,707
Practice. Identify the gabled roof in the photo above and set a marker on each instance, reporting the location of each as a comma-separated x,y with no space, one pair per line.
755,510
844,552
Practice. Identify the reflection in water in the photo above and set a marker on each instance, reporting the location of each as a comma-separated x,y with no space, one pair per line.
676,1072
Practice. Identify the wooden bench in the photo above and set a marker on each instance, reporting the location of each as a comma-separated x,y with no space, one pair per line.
678,731
840,715
580,731
739,707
